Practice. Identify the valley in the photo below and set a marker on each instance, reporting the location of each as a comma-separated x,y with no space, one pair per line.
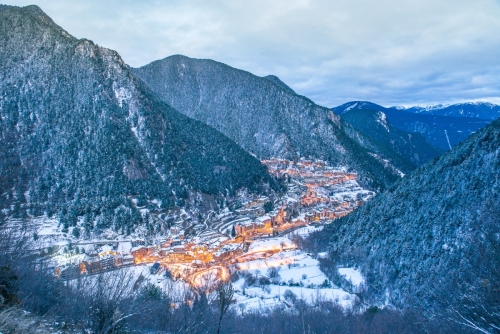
257,234
185,195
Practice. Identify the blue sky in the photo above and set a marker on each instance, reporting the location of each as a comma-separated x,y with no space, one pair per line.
391,52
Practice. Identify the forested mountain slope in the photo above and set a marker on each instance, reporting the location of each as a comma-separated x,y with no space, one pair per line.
433,239
411,146
265,116
79,133
440,131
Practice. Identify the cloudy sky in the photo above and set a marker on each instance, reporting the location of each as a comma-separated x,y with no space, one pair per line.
391,52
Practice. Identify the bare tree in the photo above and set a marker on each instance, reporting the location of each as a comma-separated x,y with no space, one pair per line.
225,295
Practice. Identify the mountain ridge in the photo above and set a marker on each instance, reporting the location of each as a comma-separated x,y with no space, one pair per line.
83,134
441,131
265,117
483,110
278,82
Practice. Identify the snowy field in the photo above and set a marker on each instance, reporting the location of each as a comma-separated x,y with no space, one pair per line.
352,275
299,273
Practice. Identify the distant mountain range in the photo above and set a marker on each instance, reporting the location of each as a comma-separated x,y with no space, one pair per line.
441,131
80,134
267,118
432,240
482,110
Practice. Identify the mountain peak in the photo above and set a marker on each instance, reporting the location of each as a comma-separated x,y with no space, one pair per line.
278,82
437,123
12,14
34,10
356,105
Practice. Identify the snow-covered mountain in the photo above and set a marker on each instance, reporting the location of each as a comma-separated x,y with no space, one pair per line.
357,105
265,116
441,131
484,110
432,241
80,135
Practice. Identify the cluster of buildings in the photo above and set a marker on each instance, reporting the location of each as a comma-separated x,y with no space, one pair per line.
200,251
316,192
312,196
99,259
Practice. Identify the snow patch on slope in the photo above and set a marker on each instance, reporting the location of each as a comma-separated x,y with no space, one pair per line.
351,106
382,120
352,275
121,94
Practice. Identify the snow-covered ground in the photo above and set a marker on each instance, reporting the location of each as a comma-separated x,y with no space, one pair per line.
305,231
296,275
298,272
274,244
352,275
258,299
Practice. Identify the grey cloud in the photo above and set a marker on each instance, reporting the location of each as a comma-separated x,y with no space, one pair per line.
389,51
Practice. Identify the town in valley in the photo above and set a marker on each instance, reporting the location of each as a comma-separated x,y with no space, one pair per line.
256,228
